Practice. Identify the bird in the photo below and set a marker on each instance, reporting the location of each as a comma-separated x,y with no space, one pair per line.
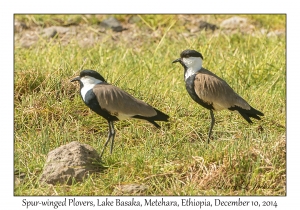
113,103
210,91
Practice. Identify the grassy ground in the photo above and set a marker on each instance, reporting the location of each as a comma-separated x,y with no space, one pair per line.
242,159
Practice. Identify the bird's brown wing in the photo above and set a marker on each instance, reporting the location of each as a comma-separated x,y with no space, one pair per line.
120,103
213,90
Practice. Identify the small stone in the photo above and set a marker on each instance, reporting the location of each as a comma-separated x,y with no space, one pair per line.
52,31
68,162
112,23
61,29
134,19
234,22
49,32
237,25
207,26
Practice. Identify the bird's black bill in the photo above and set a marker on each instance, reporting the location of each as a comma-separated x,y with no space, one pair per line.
75,79
177,60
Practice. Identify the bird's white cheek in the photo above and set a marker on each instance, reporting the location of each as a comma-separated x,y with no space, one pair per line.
187,62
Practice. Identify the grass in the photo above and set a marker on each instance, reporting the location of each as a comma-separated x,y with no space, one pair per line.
242,159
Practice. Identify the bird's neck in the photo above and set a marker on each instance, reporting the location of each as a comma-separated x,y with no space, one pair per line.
192,66
86,84
190,72
85,89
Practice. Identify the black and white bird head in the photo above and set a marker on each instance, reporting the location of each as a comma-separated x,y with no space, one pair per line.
88,79
191,60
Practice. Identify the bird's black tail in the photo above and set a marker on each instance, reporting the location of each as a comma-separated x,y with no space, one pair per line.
246,114
160,116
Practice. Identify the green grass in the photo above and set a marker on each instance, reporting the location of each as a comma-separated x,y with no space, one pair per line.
240,160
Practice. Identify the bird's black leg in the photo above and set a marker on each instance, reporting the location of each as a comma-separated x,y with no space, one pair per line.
211,124
112,132
108,138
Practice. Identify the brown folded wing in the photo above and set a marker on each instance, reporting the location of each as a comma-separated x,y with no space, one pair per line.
119,102
213,90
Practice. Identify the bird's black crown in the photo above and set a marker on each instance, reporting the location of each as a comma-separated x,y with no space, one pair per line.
190,53
91,73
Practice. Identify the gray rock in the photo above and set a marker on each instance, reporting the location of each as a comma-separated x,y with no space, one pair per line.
49,32
134,19
112,23
207,26
237,25
61,29
234,22
68,162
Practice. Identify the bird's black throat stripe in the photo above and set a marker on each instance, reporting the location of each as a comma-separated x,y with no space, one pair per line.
190,87
92,103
